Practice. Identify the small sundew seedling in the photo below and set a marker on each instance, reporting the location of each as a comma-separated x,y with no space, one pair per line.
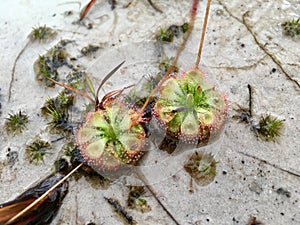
37,150
41,33
46,66
270,128
202,167
291,27
135,199
16,123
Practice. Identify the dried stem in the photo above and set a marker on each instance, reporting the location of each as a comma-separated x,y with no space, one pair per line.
72,89
250,99
13,70
203,33
86,9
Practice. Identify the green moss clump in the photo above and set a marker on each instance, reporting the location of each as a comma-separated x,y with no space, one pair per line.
291,27
57,108
37,150
47,65
41,33
172,31
165,35
270,128
16,123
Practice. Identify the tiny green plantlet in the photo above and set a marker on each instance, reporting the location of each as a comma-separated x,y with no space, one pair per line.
41,33
16,123
202,167
165,35
37,150
190,108
270,128
291,27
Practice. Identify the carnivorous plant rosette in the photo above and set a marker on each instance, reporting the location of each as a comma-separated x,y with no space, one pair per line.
190,108
110,137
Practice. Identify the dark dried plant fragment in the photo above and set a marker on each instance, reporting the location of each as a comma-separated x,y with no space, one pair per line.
202,167
87,50
44,212
16,123
164,66
120,211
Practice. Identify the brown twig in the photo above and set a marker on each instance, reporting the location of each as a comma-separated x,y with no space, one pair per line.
203,33
72,89
86,9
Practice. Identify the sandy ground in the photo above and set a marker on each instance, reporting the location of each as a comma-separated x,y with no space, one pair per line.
244,45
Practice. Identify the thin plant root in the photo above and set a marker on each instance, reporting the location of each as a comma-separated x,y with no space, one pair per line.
141,177
14,69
